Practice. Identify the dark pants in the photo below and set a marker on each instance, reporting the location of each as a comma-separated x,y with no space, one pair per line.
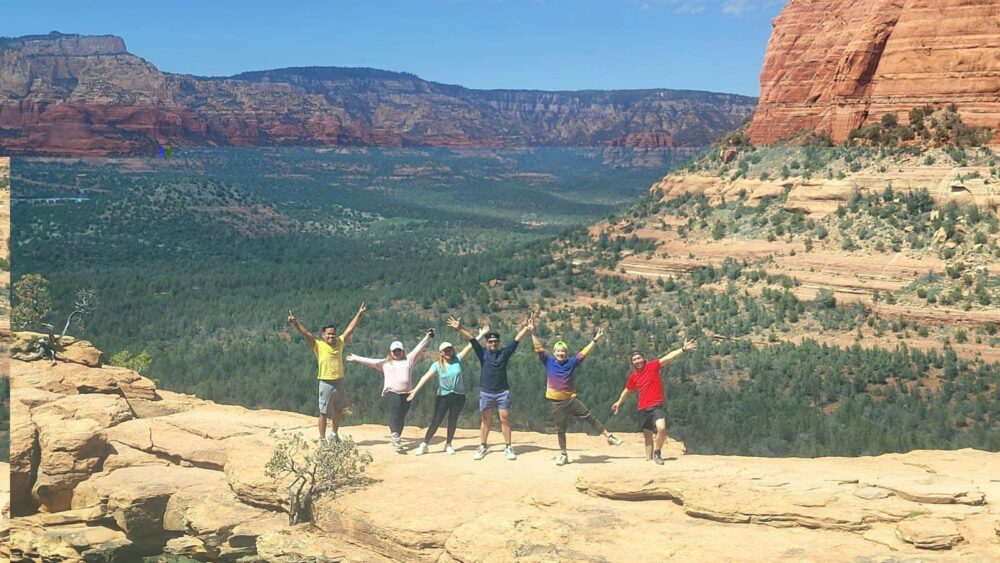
562,410
398,407
450,404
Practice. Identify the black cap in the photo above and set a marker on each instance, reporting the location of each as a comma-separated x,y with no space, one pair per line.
492,334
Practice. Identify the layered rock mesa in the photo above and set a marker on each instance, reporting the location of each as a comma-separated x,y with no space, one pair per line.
86,95
836,65
105,467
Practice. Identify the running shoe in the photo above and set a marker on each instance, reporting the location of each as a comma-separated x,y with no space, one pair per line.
614,440
422,448
449,450
657,458
562,459
480,453
509,452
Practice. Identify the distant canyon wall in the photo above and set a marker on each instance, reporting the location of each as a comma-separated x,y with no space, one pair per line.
87,95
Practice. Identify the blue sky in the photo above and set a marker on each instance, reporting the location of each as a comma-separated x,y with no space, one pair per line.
715,45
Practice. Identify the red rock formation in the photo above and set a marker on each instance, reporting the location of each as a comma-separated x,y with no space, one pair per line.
835,65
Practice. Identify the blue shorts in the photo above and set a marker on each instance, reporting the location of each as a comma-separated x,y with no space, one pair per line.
501,400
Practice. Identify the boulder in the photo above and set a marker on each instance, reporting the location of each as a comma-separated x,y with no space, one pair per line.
187,546
208,510
136,498
121,456
106,410
69,349
247,457
929,533
73,379
23,456
69,452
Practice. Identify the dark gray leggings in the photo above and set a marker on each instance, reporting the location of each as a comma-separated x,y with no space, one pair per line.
563,410
450,404
398,407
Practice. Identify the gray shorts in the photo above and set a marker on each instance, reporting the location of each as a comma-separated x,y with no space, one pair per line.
332,396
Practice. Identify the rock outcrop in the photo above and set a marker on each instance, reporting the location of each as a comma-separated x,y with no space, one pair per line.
187,478
836,65
86,95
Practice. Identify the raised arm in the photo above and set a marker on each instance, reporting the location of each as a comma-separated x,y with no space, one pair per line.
412,356
529,325
468,347
688,345
537,343
431,372
354,322
374,363
456,323
590,345
621,400
292,320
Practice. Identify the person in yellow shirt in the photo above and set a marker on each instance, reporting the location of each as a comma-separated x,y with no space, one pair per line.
329,351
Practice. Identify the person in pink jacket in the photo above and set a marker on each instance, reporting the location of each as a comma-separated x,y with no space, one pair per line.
396,368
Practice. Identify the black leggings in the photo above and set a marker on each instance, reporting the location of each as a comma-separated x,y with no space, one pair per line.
398,407
451,404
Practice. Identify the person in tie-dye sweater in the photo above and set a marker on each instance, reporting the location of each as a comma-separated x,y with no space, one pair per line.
559,369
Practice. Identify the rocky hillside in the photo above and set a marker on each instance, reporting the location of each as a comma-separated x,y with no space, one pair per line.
105,467
836,65
86,95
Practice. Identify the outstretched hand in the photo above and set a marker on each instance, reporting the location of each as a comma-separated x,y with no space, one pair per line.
599,335
291,317
689,345
362,309
483,331
455,322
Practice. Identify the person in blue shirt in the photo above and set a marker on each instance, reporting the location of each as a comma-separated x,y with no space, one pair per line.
494,390
450,397
561,393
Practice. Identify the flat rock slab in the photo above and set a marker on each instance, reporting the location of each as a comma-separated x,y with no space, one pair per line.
930,533
930,489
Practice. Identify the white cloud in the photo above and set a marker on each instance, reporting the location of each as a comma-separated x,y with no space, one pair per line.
735,8
738,7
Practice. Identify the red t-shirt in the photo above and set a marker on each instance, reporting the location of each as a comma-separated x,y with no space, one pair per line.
647,380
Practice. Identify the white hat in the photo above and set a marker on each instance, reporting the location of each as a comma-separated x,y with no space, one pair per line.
396,345
444,346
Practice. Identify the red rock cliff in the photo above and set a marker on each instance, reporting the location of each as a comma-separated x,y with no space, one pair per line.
835,65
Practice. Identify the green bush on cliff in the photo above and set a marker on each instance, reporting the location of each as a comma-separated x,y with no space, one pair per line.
312,468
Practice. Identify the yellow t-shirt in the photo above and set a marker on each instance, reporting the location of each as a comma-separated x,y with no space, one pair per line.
330,359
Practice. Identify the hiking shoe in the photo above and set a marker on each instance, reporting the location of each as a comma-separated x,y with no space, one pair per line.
334,438
562,459
480,453
509,452
449,450
657,458
422,448
614,440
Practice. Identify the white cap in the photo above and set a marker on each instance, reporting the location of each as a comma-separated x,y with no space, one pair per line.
444,346
396,345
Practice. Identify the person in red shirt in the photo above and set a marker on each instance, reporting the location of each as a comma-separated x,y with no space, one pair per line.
646,380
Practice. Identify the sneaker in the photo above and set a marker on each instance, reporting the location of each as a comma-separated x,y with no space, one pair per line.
334,438
480,453
422,448
449,450
562,459
614,440
657,458
396,444
509,452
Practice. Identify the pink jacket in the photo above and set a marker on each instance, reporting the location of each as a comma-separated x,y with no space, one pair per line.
396,373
